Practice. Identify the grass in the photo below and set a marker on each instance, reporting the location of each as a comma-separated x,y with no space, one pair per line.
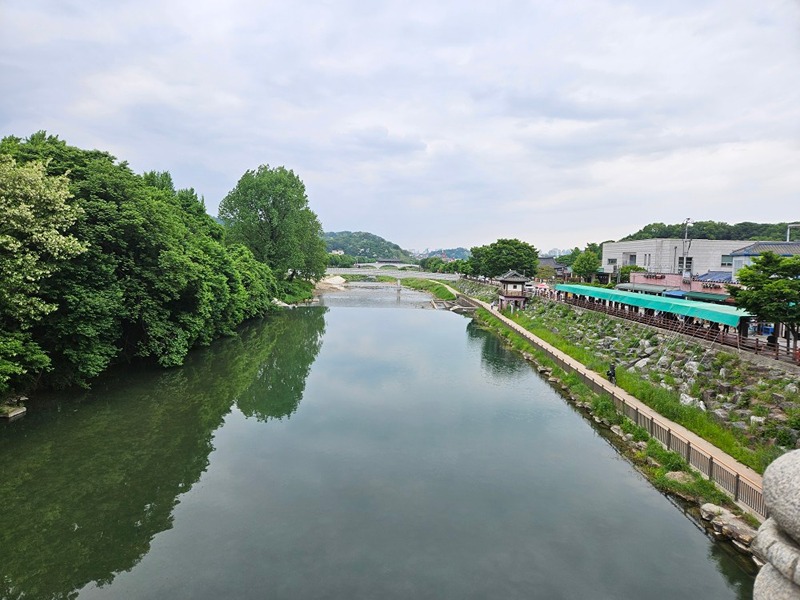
437,289
699,489
665,402
293,292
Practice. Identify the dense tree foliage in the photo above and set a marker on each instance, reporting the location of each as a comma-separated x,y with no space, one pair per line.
154,278
33,246
342,261
771,290
436,264
545,272
586,265
268,212
626,270
366,247
712,230
502,256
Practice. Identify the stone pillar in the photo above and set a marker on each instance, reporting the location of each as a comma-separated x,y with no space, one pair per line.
778,539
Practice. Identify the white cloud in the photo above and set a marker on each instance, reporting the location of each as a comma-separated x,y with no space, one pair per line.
453,123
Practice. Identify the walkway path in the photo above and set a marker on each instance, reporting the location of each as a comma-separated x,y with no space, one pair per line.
701,446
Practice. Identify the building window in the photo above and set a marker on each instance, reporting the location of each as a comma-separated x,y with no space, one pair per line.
612,261
726,261
688,266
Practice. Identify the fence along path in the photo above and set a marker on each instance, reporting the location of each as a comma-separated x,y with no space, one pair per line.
739,481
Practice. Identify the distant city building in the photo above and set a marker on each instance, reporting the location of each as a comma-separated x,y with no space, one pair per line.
337,252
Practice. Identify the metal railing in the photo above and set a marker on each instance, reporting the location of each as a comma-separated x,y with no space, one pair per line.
728,478
718,336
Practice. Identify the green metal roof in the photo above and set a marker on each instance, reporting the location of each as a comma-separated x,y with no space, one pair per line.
707,296
647,288
718,313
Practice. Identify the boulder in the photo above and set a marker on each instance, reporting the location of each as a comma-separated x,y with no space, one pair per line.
680,476
687,400
720,415
782,492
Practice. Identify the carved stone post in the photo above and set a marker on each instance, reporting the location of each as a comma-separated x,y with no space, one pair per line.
778,539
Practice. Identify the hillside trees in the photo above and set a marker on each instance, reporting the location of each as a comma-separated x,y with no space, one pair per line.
268,212
366,247
155,278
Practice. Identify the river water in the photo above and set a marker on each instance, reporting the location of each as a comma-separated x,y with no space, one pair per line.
336,452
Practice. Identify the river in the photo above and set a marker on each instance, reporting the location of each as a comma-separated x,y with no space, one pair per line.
339,451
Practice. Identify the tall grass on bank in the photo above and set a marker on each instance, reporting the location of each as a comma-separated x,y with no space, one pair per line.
426,285
698,488
665,402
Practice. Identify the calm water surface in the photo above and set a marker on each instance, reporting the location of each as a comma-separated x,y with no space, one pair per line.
339,452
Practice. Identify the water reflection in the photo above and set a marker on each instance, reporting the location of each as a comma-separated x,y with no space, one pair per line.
495,357
279,383
88,482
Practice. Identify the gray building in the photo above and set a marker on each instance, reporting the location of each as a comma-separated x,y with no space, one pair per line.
672,255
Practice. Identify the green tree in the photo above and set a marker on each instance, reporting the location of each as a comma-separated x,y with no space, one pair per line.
626,270
771,290
155,279
545,272
568,259
268,212
586,265
502,256
34,245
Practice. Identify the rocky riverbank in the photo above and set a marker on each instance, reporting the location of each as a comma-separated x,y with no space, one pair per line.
754,397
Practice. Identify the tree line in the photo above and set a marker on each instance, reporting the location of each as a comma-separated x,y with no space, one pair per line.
713,230
100,265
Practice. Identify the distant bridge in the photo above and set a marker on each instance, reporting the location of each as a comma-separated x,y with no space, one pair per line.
373,269
387,262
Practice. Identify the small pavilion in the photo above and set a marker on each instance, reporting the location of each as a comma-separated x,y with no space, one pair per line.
512,290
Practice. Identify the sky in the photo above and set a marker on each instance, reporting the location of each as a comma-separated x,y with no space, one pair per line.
432,124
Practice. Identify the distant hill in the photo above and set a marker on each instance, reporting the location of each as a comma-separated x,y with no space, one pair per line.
364,245
452,253
713,230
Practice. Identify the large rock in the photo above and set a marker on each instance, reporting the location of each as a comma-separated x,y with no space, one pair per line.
772,545
687,400
771,585
782,492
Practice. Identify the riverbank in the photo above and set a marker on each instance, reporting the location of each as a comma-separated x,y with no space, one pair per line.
669,472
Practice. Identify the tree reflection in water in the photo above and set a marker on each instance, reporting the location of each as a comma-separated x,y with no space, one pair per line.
87,482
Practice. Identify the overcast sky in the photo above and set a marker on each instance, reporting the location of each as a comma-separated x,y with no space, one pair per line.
432,124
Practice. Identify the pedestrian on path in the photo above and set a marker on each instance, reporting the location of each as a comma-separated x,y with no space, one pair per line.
612,374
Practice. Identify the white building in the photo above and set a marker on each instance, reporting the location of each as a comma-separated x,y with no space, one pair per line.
671,255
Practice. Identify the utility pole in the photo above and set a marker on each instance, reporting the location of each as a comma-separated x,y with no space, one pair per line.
687,243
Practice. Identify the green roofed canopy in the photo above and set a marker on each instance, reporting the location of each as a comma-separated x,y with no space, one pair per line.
718,313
